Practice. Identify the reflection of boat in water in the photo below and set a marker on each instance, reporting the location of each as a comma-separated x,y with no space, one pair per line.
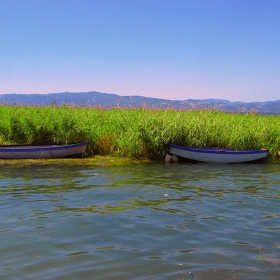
217,155
41,151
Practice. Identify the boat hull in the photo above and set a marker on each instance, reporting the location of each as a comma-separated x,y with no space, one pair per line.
216,155
43,151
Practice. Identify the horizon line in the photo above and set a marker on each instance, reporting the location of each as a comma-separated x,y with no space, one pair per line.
190,99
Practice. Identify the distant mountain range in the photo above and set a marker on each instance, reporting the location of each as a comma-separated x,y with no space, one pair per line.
106,100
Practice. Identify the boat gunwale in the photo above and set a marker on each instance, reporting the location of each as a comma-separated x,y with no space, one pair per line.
221,150
34,148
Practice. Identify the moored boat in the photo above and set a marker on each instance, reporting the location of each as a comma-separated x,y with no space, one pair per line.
218,155
41,151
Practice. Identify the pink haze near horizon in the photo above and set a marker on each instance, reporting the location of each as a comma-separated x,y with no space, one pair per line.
175,50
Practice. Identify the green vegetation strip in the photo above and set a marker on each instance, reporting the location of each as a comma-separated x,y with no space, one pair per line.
138,134
90,161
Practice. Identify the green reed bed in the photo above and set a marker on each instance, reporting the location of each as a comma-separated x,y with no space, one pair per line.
138,132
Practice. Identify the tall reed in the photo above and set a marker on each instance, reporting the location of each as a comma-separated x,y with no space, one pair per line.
138,132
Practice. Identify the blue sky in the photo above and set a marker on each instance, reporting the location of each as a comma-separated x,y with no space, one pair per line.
174,49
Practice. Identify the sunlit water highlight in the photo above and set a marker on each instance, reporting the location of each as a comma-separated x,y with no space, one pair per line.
150,221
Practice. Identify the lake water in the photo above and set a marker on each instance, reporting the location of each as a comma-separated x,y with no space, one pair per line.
143,221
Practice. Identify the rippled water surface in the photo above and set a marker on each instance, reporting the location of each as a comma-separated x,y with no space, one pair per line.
150,221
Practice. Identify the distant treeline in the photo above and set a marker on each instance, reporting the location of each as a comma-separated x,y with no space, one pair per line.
138,132
105,100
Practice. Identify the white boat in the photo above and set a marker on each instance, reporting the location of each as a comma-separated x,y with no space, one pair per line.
41,151
217,155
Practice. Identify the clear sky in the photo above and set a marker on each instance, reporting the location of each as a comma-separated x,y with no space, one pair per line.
173,49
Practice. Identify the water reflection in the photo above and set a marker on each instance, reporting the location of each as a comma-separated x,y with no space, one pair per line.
150,221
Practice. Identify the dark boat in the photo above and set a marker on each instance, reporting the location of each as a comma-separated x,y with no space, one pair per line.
218,155
41,151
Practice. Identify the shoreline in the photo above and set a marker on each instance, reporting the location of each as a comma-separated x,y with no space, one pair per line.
87,161
96,161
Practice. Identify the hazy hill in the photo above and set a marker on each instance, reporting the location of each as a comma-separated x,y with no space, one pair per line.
106,100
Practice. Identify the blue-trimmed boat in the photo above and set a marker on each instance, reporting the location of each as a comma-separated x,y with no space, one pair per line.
41,151
218,155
